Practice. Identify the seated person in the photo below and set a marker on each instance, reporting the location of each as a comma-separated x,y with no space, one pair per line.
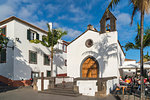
121,80
128,81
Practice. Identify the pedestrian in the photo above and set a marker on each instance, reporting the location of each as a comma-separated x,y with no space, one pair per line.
139,84
31,80
149,76
126,77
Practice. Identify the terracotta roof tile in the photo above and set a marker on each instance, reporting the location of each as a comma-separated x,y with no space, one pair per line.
129,60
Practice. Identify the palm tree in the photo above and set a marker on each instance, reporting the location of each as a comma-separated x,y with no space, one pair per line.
50,41
3,40
142,6
137,44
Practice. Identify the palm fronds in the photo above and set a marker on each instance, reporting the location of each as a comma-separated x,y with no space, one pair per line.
52,37
137,44
113,3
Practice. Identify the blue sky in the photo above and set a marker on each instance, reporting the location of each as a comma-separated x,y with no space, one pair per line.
74,16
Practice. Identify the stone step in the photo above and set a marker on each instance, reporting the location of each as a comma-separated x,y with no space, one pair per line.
62,89
65,91
66,85
61,93
62,86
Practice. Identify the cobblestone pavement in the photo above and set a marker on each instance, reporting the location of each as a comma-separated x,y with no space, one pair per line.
29,94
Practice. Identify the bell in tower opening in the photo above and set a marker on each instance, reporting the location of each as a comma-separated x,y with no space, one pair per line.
108,22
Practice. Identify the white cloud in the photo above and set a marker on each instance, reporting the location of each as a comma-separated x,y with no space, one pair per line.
24,13
51,9
42,24
27,12
124,18
6,11
62,17
78,14
76,10
72,33
15,7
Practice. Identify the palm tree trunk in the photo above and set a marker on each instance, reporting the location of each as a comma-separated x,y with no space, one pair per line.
51,61
141,54
52,47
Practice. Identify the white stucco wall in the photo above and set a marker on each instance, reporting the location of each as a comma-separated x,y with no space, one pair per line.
6,69
121,56
87,87
59,80
111,84
46,84
104,50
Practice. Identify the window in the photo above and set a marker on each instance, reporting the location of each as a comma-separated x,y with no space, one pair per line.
64,48
32,35
34,74
46,60
89,43
3,56
3,30
65,62
48,73
32,57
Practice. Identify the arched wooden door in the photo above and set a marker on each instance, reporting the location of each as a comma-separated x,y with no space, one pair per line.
90,68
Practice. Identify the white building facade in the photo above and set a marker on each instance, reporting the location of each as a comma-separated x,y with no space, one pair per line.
23,60
132,68
96,55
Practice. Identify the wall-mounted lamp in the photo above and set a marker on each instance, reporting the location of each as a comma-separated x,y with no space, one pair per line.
17,39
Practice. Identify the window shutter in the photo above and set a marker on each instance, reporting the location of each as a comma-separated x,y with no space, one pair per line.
37,36
42,38
3,55
30,57
28,34
35,57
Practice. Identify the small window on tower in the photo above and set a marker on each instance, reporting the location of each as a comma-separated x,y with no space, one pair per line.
108,25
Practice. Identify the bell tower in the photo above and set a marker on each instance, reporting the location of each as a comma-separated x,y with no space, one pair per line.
109,27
